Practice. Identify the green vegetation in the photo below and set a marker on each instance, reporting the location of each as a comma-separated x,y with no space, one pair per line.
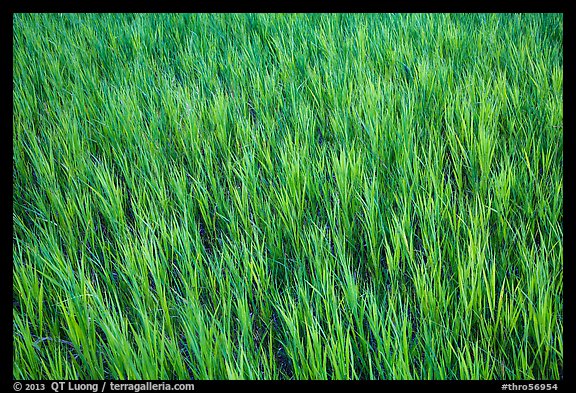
288,196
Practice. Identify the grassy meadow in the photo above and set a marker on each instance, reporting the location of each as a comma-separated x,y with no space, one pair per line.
287,196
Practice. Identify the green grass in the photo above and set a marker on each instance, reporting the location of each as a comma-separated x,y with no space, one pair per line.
288,196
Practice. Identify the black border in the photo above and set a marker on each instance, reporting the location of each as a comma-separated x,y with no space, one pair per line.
568,145
296,6
6,23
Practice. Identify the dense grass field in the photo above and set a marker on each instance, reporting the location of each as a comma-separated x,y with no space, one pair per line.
288,196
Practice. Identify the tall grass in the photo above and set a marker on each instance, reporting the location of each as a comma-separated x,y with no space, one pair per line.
276,196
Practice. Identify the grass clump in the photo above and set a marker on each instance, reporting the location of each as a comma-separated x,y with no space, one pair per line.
278,196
